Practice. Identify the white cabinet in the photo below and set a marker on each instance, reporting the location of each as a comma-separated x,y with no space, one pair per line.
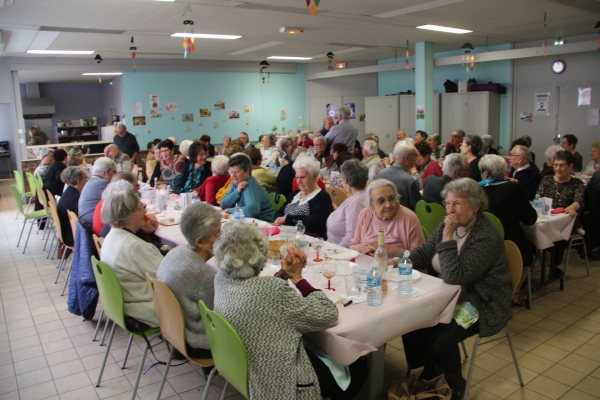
408,114
476,113
382,119
108,132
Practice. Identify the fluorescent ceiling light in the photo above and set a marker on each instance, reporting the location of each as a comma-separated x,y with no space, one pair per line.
103,73
65,52
255,48
289,58
205,36
443,29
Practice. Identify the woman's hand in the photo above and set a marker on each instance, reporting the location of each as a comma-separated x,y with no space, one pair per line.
292,264
367,248
241,186
450,225
386,162
279,221
149,226
571,210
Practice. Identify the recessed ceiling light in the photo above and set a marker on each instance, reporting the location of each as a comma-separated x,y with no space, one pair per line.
289,58
66,52
102,73
443,29
205,36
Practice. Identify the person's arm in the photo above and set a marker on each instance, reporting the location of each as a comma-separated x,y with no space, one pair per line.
155,173
136,148
527,212
351,222
148,257
288,200
210,191
251,197
133,157
358,231
320,208
231,198
128,165
578,198
414,194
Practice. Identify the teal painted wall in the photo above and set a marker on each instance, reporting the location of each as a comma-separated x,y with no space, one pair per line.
495,71
195,90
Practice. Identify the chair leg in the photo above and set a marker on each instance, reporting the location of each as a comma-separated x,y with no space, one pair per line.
51,246
22,229
29,234
514,355
98,325
139,373
465,350
127,351
29,204
587,265
224,394
60,266
471,367
104,332
529,297
106,353
567,259
67,276
208,383
164,377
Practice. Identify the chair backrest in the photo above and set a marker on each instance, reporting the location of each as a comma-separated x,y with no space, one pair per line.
150,167
98,241
430,214
40,180
494,220
33,183
41,197
338,196
425,233
17,198
277,200
54,214
228,350
514,262
19,182
110,291
73,220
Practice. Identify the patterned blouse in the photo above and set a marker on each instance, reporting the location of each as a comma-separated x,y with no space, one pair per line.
562,194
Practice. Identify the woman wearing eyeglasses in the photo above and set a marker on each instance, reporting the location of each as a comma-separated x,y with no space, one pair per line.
384,212
466,250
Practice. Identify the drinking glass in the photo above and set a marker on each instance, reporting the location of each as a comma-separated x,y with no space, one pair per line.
329,270
318,245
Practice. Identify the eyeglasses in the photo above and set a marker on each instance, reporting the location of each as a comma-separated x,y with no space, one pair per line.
381,201
455,204
514,155
412,154
561,165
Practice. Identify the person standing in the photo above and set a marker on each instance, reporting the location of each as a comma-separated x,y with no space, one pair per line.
344,132
126,142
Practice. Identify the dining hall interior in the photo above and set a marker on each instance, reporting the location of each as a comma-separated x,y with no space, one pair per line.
197,77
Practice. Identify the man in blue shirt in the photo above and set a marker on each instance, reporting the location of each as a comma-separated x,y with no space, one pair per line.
343,132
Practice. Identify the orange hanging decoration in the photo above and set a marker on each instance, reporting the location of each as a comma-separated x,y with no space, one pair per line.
544,43
188,41
312,6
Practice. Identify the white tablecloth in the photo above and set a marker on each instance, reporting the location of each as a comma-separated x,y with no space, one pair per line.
550,229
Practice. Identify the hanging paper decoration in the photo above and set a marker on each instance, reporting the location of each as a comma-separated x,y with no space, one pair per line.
544,43
133,49
468,57
100,78
312,6
187,9
407,55
263,66
330,61
188,41
98,58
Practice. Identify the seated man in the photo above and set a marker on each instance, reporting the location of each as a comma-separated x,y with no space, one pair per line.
523,171
405,156
121,159
103,170
455,166
370,156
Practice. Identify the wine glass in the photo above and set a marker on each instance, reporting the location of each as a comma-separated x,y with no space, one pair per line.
318,245
329,270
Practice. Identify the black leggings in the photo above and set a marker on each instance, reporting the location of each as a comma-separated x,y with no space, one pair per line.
329,387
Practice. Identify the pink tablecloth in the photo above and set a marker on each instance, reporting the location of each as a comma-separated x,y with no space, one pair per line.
550,229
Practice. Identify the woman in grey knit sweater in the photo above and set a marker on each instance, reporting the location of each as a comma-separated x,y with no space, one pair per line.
185,272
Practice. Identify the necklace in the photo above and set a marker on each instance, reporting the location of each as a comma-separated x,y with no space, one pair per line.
467,230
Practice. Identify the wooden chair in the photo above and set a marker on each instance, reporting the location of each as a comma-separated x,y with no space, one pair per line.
172,326
338,196
73,218
48,229
57,226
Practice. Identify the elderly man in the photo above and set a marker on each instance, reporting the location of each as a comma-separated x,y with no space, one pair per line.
121,159
320,145
42,134
568,143
327,124
102,172
126,142
523,171
375,138
243,137
455,166
405,156
453,145
370,156
344,131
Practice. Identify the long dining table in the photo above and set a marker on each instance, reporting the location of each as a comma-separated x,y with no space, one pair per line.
362,330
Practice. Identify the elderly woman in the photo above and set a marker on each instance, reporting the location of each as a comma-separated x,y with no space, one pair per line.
335,179
341,224
279,365
305,141
220,176
262,176
565,191
211,149
46,157
268,151
426,167
466,249
310,204
338,148
508,202
165,167
548,166
471,147
226,141
436,146
185,271
594,164
196,171
184,148
489,144
245,192
52,181
128,255
75,178
383,211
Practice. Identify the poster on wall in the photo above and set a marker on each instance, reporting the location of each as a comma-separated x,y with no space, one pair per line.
187,117
352,107
139,121
593,116
361,118
584,96
248,108
219,105
234,114
137,108
526,116
541,103
156,113
205,113
331,110
420,112
171,107
282,115
154,101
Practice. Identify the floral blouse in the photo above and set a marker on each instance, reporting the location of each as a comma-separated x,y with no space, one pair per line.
562,194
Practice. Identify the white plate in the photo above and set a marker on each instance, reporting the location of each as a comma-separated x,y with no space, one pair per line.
394,276
166,222
344,254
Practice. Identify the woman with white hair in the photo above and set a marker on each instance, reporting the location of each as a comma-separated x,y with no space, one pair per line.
310,204
226,141
383,211
128,255
212,184
489,142
45,154
268,151
75,178
271,319
548,167
185,271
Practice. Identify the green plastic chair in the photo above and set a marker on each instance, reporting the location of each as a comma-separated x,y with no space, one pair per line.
113,303
228,351
494,220
21,188
430,214
425,233
277,200
29,216
40,180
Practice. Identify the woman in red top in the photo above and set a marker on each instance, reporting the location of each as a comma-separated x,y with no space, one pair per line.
305,141
208,190
426,166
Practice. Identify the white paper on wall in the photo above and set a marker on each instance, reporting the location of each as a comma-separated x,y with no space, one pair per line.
541,103
584,96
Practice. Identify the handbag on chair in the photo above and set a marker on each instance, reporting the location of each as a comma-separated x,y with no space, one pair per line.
414,389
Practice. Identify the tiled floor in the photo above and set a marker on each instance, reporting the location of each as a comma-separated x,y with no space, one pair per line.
46,352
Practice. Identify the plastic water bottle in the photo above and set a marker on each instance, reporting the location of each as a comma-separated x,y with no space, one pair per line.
374,293
168,189
195,198
238,215
273,168
405,272
537,205
300,228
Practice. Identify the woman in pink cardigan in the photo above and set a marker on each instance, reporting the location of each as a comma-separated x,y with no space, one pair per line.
384,212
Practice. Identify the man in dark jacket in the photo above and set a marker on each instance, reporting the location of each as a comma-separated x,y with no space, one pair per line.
455,166
523,171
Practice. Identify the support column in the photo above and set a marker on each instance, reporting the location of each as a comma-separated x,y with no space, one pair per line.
424,86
